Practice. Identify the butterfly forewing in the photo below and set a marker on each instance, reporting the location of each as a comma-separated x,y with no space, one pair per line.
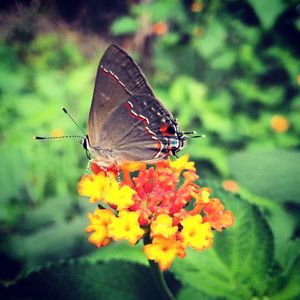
119,63
118,77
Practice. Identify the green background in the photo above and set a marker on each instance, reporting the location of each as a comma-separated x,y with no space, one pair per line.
225,69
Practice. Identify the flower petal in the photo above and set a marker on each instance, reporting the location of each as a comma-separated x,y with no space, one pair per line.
164,251
196,234
162,226
126,227
217,216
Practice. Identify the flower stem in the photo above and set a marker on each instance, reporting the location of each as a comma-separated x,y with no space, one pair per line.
158,275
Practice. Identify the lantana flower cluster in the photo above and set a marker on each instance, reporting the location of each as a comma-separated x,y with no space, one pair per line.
161,204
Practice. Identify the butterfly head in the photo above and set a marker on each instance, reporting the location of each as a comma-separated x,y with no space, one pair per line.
85,143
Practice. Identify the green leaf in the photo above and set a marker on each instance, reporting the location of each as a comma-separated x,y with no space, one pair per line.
273,174
225,60
50,243
201,150
267,11
120,251
124,25
287,60
12,172
250,90
288,258
54,210
237,265
188,292
161,10
291,287
213,40
283,226
82,280
188,94
249,60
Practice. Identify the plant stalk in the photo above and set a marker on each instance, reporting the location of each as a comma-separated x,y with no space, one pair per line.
158,275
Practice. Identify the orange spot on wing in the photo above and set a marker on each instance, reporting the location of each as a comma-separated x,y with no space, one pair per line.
164,130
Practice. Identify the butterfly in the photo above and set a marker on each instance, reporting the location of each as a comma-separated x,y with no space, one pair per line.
126,122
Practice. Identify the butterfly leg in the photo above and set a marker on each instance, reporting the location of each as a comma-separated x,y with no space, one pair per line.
88,167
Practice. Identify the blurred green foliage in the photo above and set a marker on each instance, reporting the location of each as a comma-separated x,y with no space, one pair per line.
224,68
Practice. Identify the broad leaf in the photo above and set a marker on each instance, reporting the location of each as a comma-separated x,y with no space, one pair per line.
82,280
267,11
291,288
273,174
119,250
237,265
56,241
190,293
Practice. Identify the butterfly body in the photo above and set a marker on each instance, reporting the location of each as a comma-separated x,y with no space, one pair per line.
126,121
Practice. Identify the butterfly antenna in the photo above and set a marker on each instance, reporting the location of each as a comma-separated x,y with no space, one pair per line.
193,133
66,112
56,137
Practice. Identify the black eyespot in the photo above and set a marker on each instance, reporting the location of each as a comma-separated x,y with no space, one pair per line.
84,143
171,129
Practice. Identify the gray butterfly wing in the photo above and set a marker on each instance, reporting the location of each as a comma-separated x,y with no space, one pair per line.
141,129
118,77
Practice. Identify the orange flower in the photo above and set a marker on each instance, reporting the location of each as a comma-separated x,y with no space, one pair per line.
112,169
279,123
133,166
197,6
162,202
230,185
216,215
160,28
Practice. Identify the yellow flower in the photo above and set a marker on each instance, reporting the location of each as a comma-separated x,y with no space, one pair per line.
164,251
182,163
162,226
93,186
196,234
163,201
126,227
99,222
121,198
202,196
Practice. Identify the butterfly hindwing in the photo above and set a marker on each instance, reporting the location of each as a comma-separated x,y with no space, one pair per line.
143,130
